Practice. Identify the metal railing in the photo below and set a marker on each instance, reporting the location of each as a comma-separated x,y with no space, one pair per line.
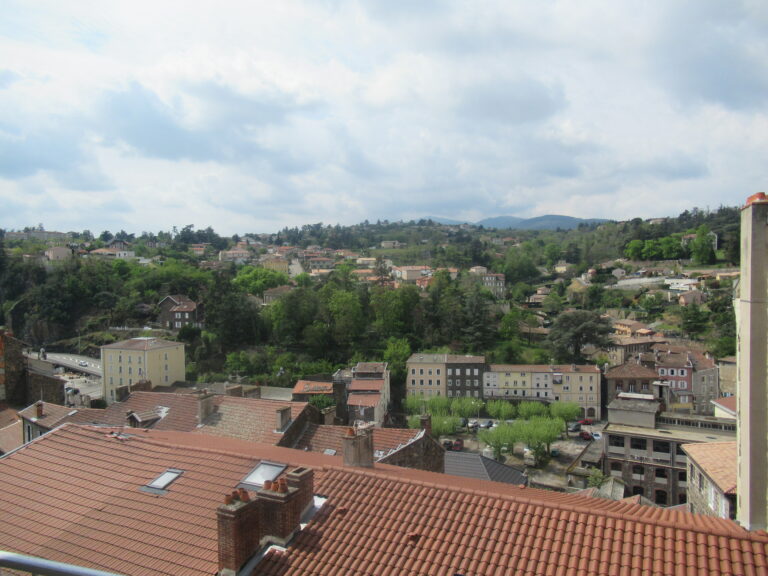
42,567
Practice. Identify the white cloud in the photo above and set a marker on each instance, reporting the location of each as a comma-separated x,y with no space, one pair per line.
251,116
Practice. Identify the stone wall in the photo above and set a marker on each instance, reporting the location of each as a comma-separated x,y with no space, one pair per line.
49,389
423,454
13,381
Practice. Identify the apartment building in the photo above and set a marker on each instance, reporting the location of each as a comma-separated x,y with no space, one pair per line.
445,375
126,363
643,446
546,383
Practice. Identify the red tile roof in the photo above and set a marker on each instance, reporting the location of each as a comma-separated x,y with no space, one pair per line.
718,461
365,400
248,418
366,385
727,403
11,437
74,496
631,370
313,387
318,438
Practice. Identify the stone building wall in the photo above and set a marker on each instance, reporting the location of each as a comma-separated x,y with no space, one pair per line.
423,454
13,382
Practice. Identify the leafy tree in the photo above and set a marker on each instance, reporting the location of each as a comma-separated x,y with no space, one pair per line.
322,401
439,406
466,407
596,478
634,249
528,410
500,409
571,331
415,405
396,356
702,249
566,411
499,438
256,280
694,320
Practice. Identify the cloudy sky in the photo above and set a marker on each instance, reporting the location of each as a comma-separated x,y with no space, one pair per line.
248,116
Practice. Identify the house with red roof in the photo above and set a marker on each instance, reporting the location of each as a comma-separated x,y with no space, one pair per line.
712,486
193,504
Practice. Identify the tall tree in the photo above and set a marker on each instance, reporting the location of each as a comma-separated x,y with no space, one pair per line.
571,331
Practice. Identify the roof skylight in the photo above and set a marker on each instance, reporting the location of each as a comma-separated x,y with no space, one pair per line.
160,484
263,472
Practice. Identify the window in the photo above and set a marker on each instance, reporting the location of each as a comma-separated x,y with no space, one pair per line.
430,372
661,473
682,476
638,444
450,382
662,371
616,440
430,382
413,382
619,386
683,372
671,372
615,466
450,371
421,371
476,372
638,470
438,371
413,371
421,382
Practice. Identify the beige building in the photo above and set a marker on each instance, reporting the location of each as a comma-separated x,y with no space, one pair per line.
578,383
751,307
125,364
712,478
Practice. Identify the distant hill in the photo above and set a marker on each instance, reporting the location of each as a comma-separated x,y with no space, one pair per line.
548,222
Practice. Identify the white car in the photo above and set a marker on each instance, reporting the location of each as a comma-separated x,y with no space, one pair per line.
596,435
82,363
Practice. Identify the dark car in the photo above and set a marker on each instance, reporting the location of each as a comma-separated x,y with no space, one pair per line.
448,444
574,427
458,445
585,435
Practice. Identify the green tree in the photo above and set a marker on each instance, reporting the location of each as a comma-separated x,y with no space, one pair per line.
702,248
634,249
500,438
255,280
500,409
571,331
528,410
396,356
439,406
694,320
466,407
566,411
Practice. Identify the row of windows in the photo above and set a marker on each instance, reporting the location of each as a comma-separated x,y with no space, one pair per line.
673,372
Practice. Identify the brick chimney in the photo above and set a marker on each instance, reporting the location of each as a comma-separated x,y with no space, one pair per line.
283,418
358,447
39,409
426,423
205,405
247,522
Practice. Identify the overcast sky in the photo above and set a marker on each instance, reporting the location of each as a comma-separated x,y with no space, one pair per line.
250,116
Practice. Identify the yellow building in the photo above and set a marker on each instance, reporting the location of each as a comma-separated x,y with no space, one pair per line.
124,364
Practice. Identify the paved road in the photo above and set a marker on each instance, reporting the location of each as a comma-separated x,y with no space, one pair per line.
74,362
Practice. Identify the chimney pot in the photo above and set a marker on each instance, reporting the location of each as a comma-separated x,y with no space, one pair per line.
267,485
244,497
39,408
228,499
282,485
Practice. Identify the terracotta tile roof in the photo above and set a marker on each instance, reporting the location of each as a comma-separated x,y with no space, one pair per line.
366,385
317,438
384,520
727,403
249,419
11,437
176,411
631,370
7,415
718,461
53,414
313,387
365,400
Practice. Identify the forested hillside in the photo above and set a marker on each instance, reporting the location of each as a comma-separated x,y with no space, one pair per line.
331,320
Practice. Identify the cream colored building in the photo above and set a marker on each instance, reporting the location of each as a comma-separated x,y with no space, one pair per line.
579,383
124,364
451,375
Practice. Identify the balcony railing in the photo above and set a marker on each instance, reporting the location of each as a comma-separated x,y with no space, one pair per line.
43,567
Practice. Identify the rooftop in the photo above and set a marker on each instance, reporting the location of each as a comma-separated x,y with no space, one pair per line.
673,433
142,344
473,465
382,520
718,461
318,438
313,387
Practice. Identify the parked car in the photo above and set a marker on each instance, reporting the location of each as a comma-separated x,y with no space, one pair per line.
448,444
586,422
458,445
596,435
488,424
574,427
585,435
473,425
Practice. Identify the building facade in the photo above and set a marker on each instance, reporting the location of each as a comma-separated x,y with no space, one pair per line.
126,363
445,375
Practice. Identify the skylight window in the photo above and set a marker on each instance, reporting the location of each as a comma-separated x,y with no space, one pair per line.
160,484
263,472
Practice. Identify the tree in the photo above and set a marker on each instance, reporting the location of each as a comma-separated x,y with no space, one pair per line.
499,438
702,249
255,280
500,409
571,331
634,249
596,478
396,356
466,407
528,410
566,411
694,320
